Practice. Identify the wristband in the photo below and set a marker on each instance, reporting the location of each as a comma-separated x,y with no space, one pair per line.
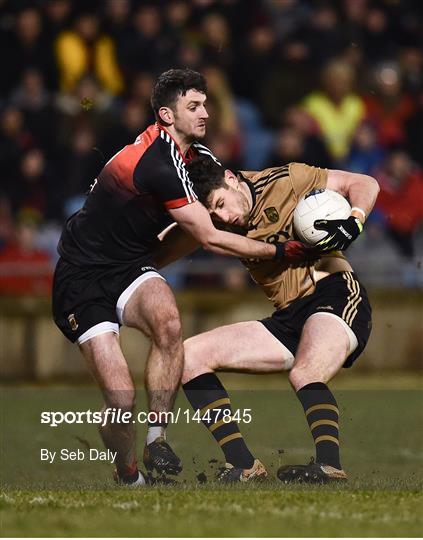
280,251
362,212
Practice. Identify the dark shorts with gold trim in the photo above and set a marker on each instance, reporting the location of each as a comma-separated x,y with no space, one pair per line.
340,294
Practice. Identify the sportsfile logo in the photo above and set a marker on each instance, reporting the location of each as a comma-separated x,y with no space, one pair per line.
113,415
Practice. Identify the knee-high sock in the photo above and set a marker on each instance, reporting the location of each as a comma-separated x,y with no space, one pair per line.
322,415
206,392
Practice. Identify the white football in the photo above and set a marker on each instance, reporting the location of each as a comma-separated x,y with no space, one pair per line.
318,204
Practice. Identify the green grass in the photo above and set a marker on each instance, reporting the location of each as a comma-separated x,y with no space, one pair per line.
382,447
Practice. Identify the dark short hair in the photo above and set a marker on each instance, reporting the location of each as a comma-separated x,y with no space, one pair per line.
206,175
174,83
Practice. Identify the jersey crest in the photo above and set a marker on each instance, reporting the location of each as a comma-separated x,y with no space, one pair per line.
272,214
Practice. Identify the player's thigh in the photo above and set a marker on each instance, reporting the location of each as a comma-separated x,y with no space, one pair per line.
108,366
322,350
246,346
152,309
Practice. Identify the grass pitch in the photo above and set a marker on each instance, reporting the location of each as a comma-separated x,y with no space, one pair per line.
382,448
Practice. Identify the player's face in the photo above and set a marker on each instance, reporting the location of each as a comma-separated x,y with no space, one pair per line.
190,115
230,205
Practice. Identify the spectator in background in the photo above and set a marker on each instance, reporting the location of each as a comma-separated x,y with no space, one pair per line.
366,154
134,118
27,46
31,188
295,141
400,200
84,49
414,131
117,24
87,104
324,34
279,92
15,139
57,14
255,54
379,36
222,123
146,47
139,90
411,67
82,163
336,109
25,269
388,108
287,17
216,41
117,18
6,222
34,100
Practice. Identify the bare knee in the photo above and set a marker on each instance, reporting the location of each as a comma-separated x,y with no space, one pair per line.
300,376
167,332
197,360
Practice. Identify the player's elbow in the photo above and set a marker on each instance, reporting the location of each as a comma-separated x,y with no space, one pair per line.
369,183
373,183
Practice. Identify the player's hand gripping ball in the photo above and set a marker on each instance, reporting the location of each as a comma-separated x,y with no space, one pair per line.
340,233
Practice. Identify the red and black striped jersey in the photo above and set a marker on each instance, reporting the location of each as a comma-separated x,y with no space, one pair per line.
127,205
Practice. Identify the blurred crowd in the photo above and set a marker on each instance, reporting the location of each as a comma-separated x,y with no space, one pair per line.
332,83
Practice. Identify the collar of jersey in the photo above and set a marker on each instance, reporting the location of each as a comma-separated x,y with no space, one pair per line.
252,191
184,158
250,187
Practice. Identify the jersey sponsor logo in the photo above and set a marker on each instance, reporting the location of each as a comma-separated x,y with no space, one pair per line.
272,214
329,308
344,232
72,321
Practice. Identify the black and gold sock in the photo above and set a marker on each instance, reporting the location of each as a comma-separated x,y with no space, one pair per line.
206,393
322,415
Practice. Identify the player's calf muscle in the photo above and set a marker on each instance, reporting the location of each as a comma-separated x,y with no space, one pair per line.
124,400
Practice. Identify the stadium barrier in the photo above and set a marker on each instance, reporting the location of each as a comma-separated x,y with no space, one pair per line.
32,348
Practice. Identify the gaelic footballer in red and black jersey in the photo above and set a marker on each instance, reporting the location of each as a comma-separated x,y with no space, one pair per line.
127,206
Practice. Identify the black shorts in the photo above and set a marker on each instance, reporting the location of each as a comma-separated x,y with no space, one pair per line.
339,294
90,301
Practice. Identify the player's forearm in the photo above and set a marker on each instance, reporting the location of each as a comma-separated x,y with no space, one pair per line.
226,243
362,194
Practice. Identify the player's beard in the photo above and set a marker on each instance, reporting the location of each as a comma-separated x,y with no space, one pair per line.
245,210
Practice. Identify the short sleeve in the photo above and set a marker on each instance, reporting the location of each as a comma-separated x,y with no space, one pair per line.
166,179
172,187
305,178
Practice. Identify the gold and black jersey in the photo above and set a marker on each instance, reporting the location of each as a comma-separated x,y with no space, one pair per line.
276,192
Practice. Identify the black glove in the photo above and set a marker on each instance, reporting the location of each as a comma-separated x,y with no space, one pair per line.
341,233
295,252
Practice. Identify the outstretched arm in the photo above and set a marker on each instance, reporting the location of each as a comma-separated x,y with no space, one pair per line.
195,220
